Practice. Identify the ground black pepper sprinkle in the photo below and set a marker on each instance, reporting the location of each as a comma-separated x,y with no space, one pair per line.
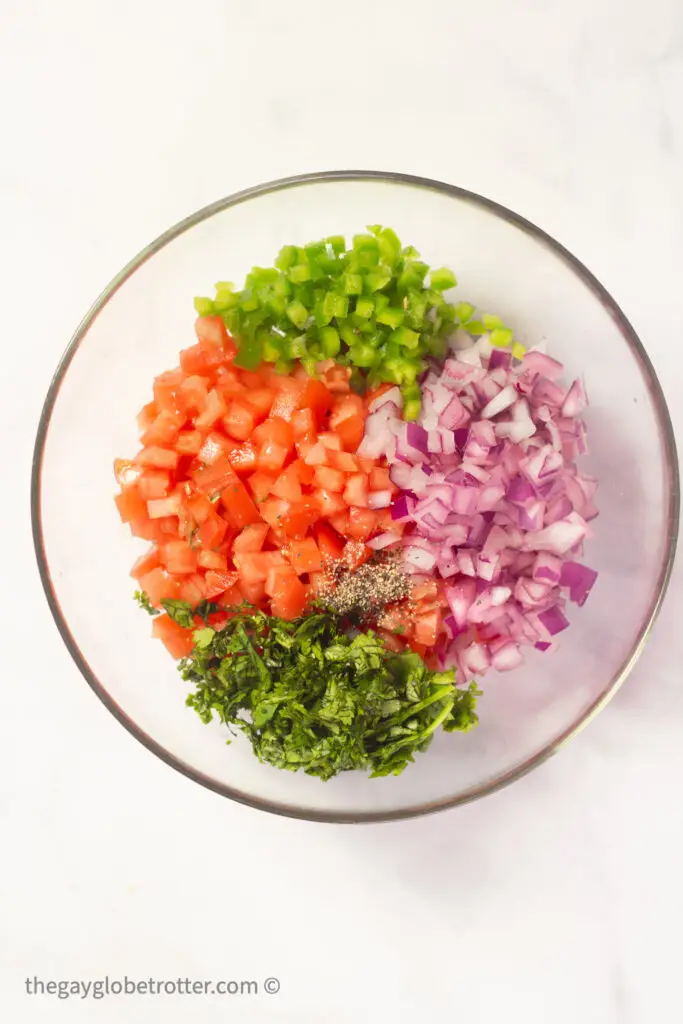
363,592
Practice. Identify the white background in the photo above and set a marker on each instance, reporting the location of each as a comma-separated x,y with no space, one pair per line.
558,900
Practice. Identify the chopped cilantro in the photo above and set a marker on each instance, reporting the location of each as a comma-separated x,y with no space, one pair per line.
311,697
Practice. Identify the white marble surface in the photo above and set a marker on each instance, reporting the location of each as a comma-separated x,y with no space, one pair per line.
558,900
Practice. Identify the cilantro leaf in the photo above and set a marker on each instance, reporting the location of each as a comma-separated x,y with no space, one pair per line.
144,602
180,611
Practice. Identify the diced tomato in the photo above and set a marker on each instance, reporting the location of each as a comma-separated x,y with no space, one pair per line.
362,522
238,504
126,473
159,508
228,383
193,392
289,598
253,566
178,557
239,420
260,400
179,642
329,502
304,473
251,538
145,563
254,593
215,445
218,582
287,399
337,378
330,545
165,389
146,529
147,416
214,409
317,582
271,456
243,458
356,490
303,425
211,532
391,641
161,458
427,591
194,361
288,485
298,519
375,393
159,586
316,397
351,432
305,556
131,504
345,408
211,334
212,479
273,583
192,589
261,484
379,479
340,522
212,560
188,442
329,479
355,554
164,429
154,483
317,455
330,441
276,430
345,461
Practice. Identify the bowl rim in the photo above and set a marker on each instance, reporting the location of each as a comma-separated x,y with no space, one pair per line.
631,339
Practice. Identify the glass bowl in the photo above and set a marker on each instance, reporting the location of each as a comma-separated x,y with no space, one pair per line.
505,265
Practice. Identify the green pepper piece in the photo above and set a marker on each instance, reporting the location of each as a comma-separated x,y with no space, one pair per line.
364,307
441,279
351,284
412,401
392,316
329,341
297,313
249,353
204,307
405,337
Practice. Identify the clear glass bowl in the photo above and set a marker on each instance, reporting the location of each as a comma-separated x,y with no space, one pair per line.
505,265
